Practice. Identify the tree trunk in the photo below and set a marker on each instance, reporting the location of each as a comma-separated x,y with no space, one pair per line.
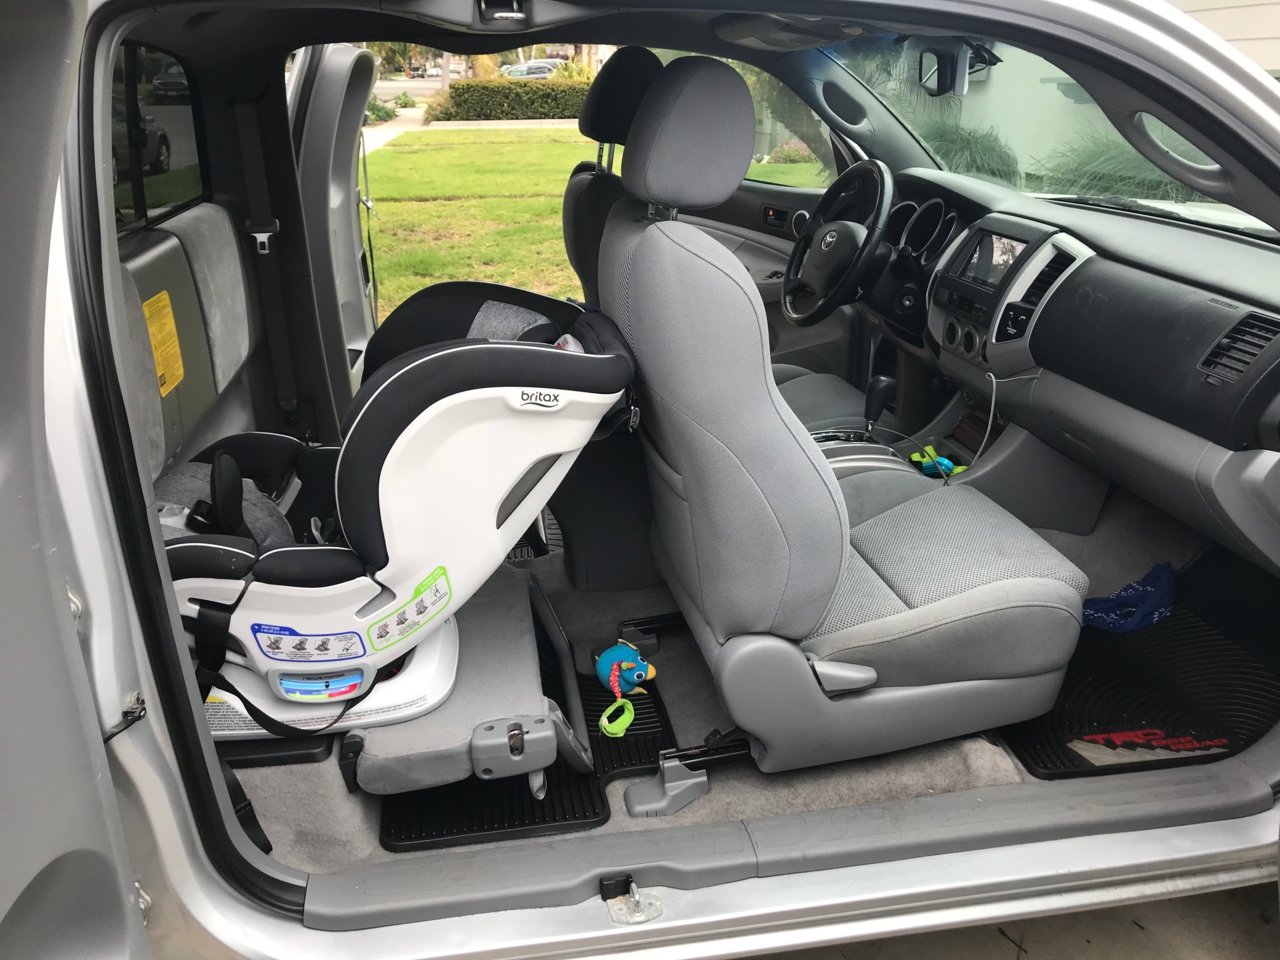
445,59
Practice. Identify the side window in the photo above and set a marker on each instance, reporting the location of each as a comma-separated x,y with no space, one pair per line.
155,158
793,146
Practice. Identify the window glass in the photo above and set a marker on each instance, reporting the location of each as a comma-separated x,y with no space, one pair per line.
155,160
793,146
1025,123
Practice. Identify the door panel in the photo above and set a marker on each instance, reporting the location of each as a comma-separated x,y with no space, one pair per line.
66,888
755,225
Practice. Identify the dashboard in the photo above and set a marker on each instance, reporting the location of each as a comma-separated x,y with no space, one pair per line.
1146,349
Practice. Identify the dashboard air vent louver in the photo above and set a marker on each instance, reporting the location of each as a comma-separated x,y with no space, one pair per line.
1240,346
1048,277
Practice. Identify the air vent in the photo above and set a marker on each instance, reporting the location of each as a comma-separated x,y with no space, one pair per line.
1240,346
1048,277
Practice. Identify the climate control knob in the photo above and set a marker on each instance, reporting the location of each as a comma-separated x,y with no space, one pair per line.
951,333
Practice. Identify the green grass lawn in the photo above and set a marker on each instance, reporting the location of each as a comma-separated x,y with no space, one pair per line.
482,204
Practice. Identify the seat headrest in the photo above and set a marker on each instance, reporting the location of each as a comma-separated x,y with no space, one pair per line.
616,92
692,138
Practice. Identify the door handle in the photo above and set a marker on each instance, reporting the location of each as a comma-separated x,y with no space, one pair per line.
775,217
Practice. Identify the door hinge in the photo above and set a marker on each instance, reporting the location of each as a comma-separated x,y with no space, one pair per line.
77,605
143,900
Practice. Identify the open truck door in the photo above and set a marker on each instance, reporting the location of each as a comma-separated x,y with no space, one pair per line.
66,886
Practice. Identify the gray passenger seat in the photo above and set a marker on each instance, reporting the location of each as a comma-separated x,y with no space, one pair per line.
839,619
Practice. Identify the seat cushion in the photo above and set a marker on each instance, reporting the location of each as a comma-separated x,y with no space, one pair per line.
189,482
823,401
944,585
497,676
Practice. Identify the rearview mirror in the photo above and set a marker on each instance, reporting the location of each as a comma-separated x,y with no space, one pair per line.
945,69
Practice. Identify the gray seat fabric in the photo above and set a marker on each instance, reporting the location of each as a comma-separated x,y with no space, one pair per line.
593,189
189,482
497,677
966,616
823,401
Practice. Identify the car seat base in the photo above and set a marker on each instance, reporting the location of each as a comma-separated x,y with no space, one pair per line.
424,683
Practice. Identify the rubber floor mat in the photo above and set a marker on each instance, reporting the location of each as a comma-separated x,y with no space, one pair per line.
482,811
1201,685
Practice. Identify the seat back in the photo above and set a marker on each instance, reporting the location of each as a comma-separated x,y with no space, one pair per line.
328,149
751,527
187,311
593,189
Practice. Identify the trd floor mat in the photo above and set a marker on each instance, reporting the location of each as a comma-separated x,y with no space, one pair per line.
1198,686
479,811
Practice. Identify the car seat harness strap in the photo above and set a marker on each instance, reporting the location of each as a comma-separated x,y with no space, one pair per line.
211,630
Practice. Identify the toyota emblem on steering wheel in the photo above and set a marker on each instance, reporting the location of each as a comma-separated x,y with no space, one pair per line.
829,240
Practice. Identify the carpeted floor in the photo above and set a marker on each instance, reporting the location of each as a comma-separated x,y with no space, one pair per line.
1130,537
316,825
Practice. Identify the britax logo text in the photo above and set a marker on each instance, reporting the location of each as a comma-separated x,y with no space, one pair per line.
539,398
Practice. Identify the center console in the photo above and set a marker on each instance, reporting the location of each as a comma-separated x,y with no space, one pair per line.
988,294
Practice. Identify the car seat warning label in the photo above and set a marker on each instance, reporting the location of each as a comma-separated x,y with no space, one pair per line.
430,597
285,643
165,347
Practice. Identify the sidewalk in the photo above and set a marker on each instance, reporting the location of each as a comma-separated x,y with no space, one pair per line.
376,137
501,124
410,118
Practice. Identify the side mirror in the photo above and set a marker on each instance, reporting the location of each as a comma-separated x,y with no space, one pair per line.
945,70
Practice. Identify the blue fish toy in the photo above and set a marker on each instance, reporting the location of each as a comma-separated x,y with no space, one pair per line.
632,669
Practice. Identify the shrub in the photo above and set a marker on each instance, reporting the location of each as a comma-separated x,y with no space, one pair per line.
976,152
1099,164
435,104
505,99
573,70
376,111
403,100
793,151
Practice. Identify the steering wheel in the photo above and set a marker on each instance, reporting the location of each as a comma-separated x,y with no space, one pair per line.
834,259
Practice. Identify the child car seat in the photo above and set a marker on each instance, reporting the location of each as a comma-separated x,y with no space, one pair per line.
449,452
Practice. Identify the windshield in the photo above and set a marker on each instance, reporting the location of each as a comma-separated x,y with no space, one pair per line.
1025,123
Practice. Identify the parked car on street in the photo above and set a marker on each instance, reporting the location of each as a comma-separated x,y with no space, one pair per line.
170,85
149,137
534,70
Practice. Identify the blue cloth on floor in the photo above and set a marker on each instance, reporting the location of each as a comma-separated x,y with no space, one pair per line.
1135,605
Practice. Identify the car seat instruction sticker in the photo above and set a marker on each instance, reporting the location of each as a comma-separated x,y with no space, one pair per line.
285,643
163,330
430,597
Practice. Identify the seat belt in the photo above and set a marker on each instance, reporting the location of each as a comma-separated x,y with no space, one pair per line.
211,628
366,201
262,227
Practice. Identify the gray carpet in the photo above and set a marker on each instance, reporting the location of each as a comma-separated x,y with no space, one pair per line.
1130,537
590,620
313,823
317,826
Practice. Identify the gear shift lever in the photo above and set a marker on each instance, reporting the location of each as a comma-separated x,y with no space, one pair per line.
879,392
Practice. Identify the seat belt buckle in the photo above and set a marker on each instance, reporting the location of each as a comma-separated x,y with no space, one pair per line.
262,237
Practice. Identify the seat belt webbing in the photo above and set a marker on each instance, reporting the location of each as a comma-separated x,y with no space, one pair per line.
261,227
366,201
212,625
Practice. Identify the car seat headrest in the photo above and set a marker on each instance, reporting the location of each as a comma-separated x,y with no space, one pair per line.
615,94
691,142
